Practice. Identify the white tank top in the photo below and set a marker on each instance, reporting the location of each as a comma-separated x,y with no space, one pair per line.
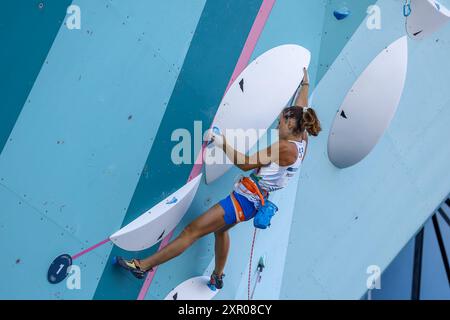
273,176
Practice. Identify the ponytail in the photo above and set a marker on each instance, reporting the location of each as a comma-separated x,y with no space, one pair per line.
306,120
311,122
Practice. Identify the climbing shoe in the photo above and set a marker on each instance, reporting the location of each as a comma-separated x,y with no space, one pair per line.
216,281
130,265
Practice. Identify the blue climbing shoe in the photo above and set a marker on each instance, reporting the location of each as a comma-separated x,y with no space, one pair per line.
216,282
130,265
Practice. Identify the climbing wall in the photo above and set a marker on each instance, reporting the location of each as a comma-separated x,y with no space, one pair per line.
86,126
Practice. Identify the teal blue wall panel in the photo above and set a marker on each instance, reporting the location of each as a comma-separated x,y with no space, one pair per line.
27,32
79,147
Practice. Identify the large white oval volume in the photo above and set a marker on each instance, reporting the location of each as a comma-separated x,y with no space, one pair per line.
152,226
426,17
369,106
255,100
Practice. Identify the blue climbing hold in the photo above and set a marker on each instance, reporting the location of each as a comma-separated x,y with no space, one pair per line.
215,130
212,287
172,201
341,13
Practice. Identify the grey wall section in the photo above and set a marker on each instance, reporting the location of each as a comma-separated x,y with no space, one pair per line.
348,220
290,23
27,32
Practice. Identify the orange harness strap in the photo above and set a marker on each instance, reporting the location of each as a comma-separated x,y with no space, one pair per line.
237,209
253,187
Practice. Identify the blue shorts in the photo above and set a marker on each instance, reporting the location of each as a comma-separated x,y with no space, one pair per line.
230,215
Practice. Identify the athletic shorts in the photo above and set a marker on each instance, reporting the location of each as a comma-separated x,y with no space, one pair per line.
230,215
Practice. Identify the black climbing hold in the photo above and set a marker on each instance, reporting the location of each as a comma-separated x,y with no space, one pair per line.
241,84
58,270
343,115
160,237
175,296
417,33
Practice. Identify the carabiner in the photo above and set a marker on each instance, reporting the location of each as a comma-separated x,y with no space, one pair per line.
407,8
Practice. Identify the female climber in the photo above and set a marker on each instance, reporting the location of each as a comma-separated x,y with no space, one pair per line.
271,170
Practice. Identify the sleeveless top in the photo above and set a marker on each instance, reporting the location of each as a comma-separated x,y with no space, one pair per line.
273,177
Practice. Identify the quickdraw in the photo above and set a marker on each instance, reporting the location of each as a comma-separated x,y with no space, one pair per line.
407,8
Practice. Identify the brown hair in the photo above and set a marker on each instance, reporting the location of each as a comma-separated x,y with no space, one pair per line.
305,120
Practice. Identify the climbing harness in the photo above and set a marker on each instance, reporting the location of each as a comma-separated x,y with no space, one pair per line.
252,187
266,211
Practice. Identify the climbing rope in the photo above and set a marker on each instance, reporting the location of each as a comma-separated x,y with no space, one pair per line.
407,8
250,264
